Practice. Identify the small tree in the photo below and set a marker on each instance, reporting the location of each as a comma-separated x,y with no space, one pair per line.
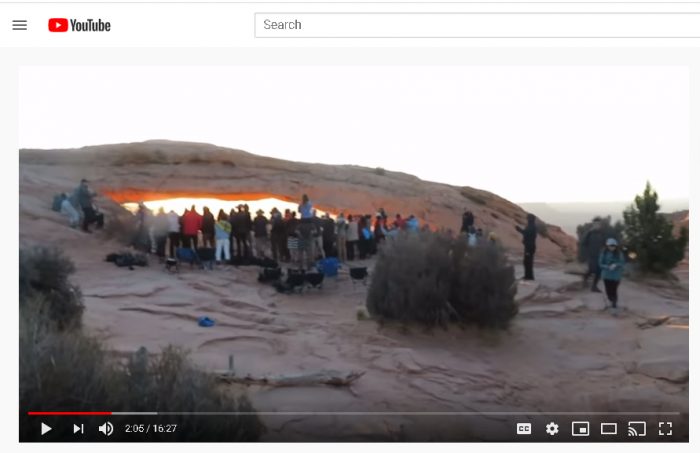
650,235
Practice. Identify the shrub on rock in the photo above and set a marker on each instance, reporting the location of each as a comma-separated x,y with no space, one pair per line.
432,279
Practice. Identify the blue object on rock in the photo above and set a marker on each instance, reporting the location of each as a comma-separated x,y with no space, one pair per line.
328,266
205,321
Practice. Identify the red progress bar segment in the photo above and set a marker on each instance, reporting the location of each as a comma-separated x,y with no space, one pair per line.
69,413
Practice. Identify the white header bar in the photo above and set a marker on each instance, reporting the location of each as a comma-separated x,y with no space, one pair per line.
245,24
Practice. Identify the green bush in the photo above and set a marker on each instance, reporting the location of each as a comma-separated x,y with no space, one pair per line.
72,372
45,291
484,286
650,235
432,279
61,368
379,171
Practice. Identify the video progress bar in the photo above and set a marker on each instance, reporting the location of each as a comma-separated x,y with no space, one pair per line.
346,413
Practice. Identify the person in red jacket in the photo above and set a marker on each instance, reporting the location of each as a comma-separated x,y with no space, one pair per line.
191,224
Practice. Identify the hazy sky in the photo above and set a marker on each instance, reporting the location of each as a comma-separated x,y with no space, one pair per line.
525,133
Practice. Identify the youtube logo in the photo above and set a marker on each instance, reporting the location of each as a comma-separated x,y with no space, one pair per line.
58,25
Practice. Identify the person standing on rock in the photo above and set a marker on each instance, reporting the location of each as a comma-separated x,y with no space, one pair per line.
341,228
412,224
161,226
208,232
352,237
83,197
173,232
329,236
278,235
472,238
399,223
593,242
191,224
240,232
144,222
612,263
66,208
306,209
467,222
379,229
260,231
529,234
222,230
248,231
293,237
233,219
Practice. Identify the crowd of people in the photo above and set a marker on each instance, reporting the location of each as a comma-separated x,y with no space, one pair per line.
299,237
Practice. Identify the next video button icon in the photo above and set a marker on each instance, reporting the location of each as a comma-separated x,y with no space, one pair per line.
524,429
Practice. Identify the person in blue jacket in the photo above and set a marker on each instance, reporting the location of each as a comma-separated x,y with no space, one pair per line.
612,263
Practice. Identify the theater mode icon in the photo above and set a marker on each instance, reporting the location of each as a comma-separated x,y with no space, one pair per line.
608,429
58,25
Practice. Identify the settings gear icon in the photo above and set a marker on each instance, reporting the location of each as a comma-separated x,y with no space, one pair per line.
552,429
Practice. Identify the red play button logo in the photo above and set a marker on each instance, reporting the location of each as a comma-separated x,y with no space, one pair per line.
58,25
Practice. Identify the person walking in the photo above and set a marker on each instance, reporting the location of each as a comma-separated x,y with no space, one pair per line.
592,244
208,233
612,263
222,232
529,234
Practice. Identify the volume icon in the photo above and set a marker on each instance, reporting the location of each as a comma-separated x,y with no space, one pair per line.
106,428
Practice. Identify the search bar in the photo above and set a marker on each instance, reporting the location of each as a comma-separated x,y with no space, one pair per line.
478,25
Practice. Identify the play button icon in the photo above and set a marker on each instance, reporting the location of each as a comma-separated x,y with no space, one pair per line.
45,428
58,25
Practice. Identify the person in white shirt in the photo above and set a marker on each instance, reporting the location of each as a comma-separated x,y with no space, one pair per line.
173,232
